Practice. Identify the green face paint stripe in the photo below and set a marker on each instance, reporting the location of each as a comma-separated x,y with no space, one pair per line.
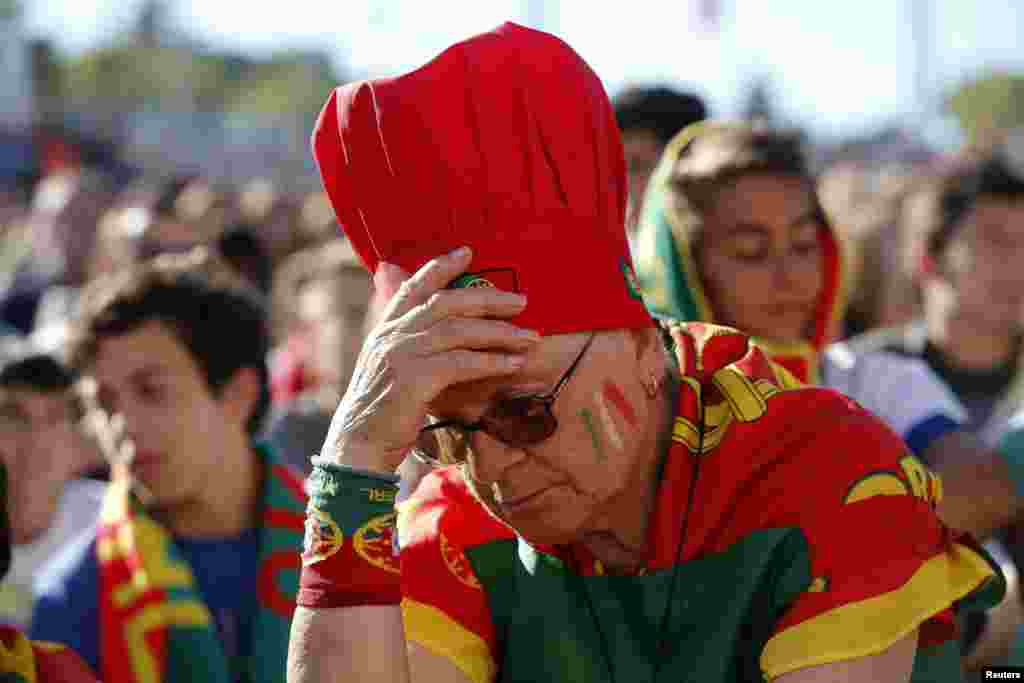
588,422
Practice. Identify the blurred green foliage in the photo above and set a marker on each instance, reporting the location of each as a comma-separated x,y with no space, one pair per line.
988,106
143,77
9,9
152,67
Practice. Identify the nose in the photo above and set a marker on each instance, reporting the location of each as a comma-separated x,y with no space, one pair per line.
491,459
784,273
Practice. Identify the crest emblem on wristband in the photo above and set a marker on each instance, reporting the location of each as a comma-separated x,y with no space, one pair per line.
471,281
457,564
323,536
373,542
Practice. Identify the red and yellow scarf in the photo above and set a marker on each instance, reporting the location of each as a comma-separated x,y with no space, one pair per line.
27,661
154,625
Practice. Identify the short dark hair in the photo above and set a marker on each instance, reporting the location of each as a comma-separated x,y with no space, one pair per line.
957,194
242,249
661,110
38,372
218,318
165,204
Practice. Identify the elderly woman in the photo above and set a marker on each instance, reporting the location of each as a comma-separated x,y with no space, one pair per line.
616,511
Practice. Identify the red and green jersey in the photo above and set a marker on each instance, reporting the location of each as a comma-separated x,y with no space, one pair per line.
812,539
26,661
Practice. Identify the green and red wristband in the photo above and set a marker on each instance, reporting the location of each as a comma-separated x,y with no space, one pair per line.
348,556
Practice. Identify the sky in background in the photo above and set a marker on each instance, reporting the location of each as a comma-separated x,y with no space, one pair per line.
837,68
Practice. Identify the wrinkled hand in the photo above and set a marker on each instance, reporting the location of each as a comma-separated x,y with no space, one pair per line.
428,338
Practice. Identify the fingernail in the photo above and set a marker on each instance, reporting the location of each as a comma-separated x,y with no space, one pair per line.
516,361
460,252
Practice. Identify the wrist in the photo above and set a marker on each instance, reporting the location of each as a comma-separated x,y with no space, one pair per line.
363,457
349,555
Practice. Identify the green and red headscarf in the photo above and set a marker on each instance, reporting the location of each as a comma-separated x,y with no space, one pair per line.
673,287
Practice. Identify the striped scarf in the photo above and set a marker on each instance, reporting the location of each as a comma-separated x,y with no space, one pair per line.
154,625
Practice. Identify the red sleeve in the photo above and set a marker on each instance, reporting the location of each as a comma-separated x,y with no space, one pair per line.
44,662
444,605
882,563
56,663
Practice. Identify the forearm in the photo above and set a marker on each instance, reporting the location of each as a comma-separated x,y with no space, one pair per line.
348,644
979,494
977,497
348,619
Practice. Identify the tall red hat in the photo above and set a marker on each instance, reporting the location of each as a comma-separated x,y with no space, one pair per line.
506,143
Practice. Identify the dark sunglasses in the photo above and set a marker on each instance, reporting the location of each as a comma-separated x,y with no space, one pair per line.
519,421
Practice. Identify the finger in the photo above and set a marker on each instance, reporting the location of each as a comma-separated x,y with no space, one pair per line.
127,451
474,334
462,365
432,277
388,279
465,303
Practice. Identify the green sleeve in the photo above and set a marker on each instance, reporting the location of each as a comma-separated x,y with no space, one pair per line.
1011,449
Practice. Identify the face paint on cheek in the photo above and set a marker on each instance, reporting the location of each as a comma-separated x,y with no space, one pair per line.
595,438
613,394
609,424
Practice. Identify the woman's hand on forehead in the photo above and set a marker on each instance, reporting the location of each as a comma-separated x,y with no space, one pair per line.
428,340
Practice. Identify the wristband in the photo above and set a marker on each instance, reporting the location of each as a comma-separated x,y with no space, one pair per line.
348,555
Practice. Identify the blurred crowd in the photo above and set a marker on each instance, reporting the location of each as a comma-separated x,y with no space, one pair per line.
921,244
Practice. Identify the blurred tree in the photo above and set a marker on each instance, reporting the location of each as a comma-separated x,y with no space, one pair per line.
290,84
988,106
47,81
10,10
151,24
152,67
759,105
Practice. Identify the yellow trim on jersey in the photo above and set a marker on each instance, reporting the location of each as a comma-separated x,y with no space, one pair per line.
440,634
18,658
877,484
869,627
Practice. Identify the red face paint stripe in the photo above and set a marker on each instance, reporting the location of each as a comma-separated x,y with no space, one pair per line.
614,394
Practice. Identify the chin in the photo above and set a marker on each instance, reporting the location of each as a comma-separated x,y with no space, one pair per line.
33,525
23,534
549,530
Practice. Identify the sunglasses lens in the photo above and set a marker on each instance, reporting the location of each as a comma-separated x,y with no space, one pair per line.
521,421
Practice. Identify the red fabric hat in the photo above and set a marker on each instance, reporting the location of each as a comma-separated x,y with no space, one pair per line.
506,143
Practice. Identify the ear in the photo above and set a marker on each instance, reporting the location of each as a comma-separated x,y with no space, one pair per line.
650,354
239,396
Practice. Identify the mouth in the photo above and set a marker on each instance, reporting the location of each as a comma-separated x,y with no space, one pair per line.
145,461
790,309
518,504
